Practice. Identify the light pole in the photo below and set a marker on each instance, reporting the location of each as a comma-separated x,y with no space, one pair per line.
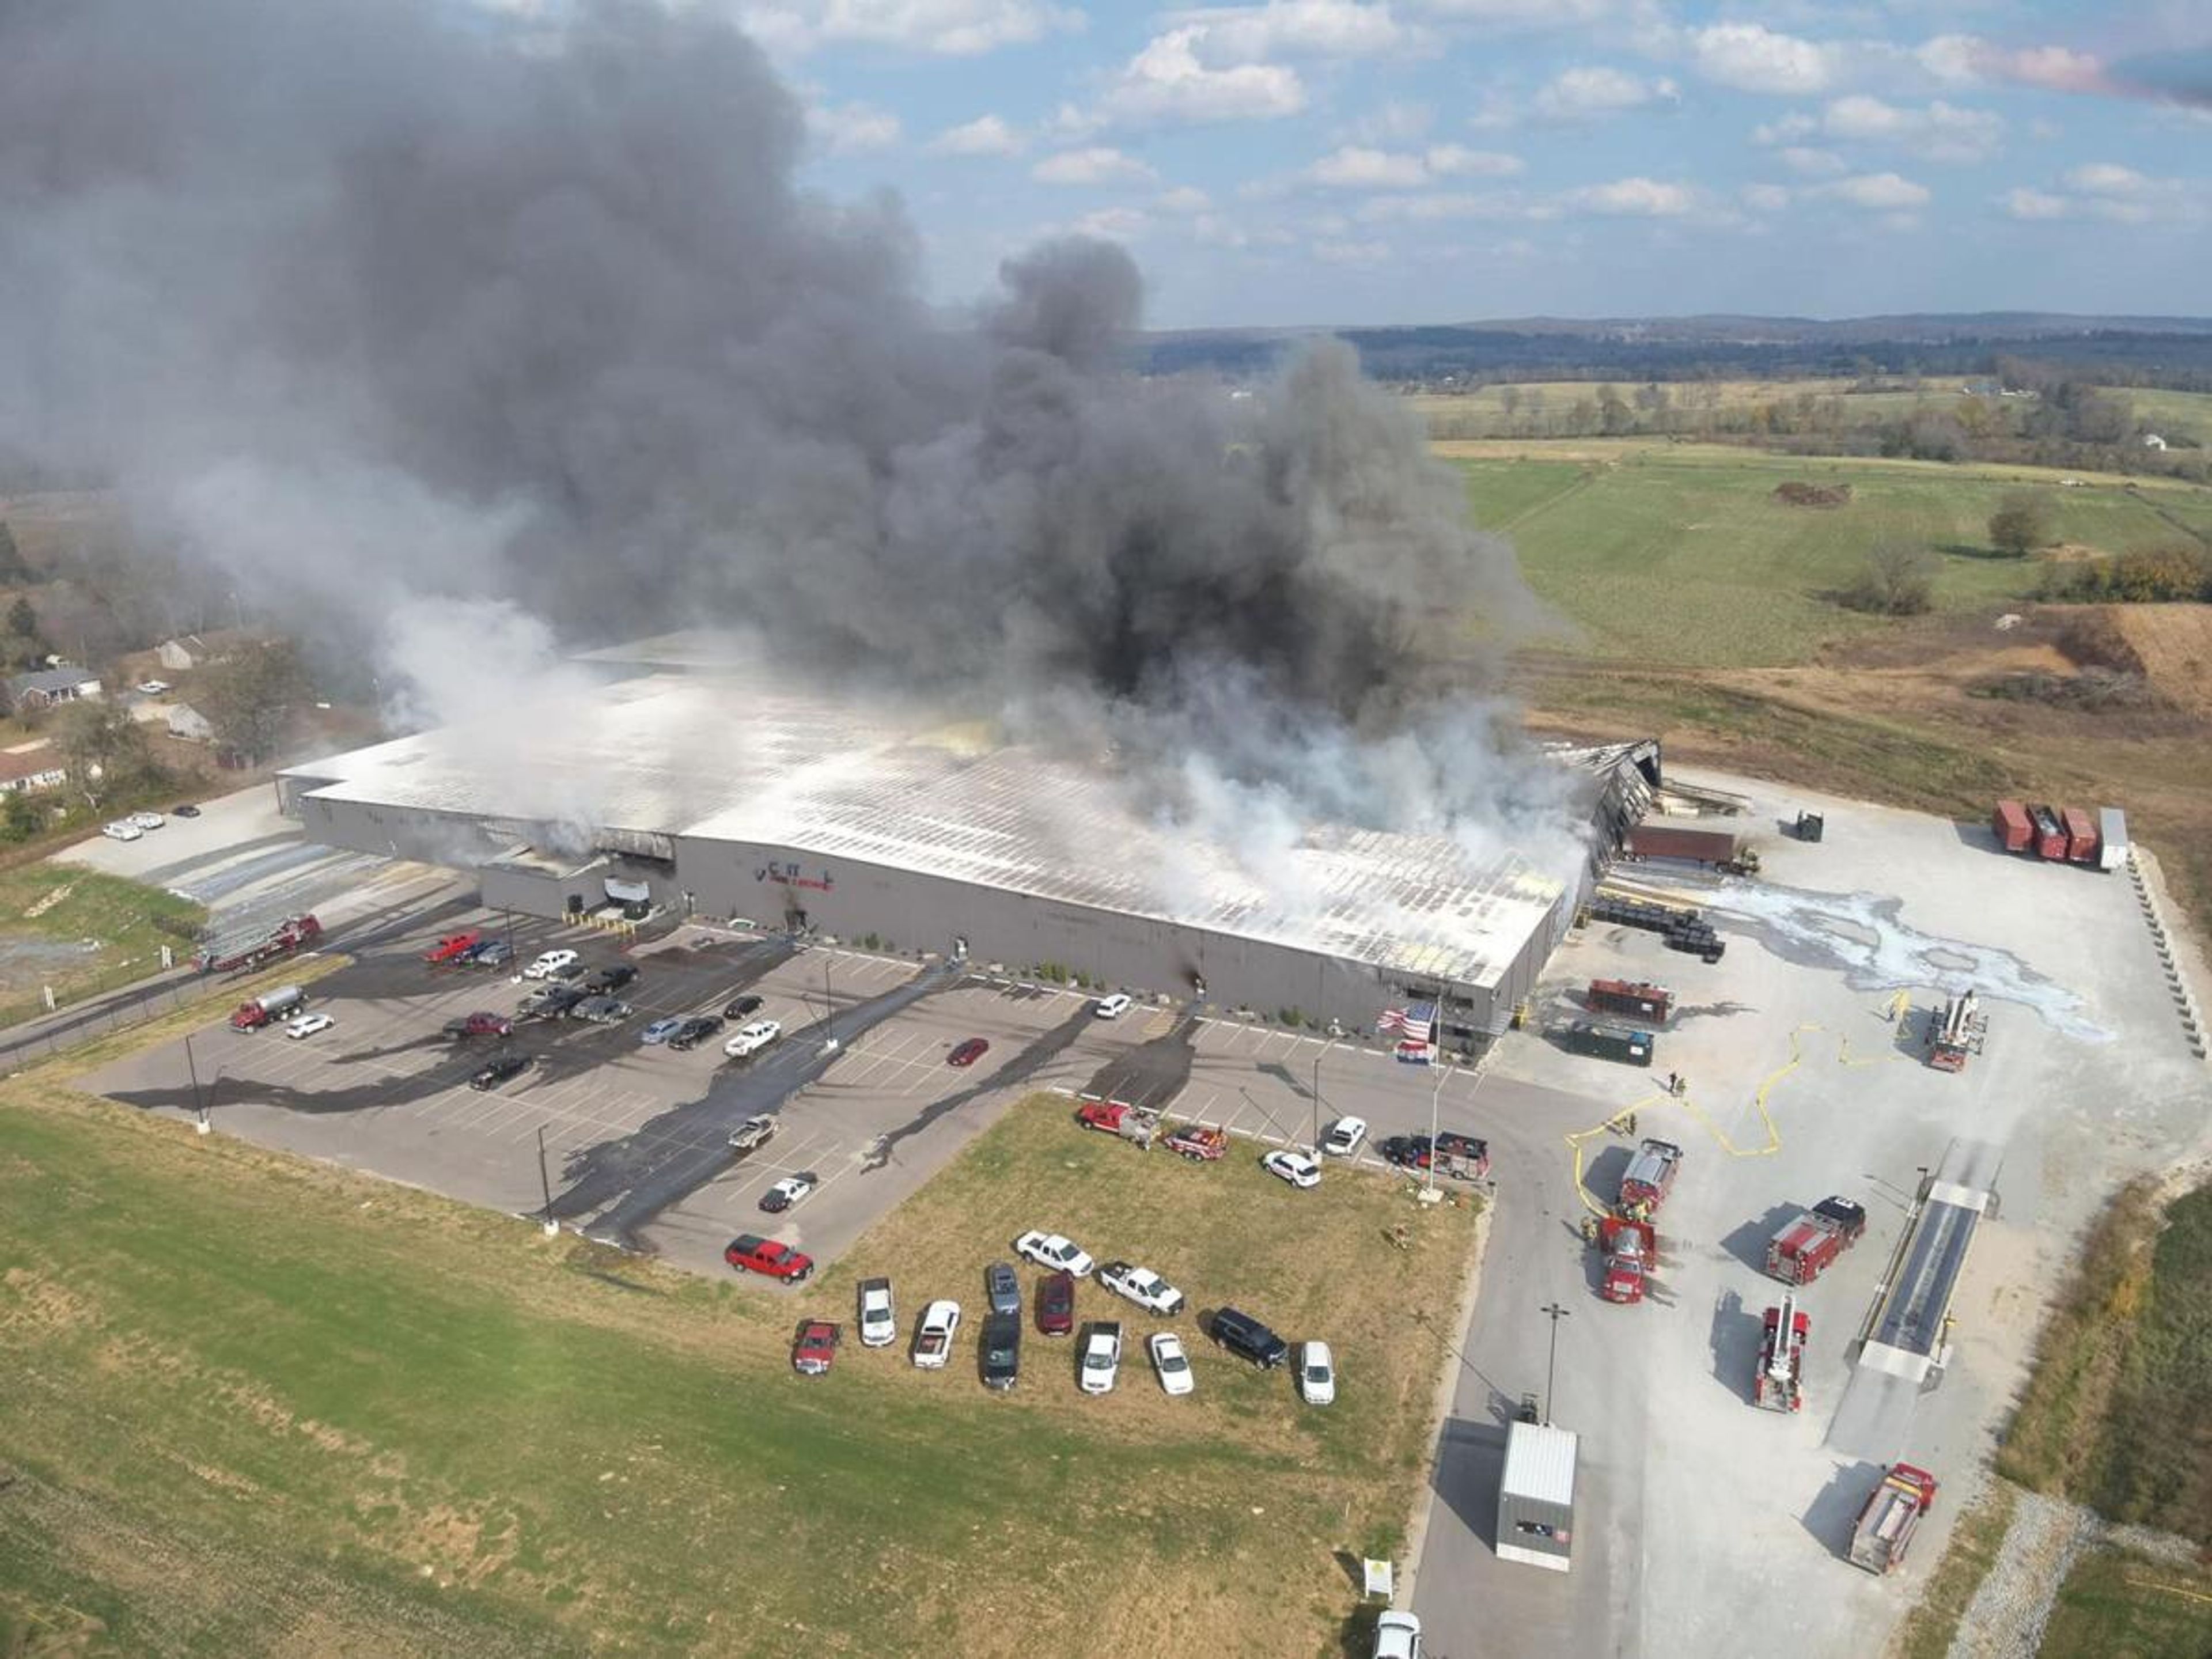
1318,1058
199,1103
1551,1365
545,1185
1429,1175
828,1010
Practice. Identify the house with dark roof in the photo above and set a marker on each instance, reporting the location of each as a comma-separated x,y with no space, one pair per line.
44,688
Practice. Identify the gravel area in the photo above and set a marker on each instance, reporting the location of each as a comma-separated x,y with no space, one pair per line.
2047,1535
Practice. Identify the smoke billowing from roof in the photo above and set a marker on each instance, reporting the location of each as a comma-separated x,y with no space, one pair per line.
393,305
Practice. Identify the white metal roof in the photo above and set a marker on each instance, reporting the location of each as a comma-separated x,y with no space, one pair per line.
760,761
1539,1463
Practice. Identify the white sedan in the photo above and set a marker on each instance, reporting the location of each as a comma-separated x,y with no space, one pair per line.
752,1038
1294,1167
121,830
1113,1007
307,1025
1102,1359
547,964
153,688
1142,1286
1052,1251
1343,1137
879,1318
1172,1363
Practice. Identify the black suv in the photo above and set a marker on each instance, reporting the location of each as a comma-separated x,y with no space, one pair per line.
1241,1334
1002,1350
612,979
740,1006
694,1030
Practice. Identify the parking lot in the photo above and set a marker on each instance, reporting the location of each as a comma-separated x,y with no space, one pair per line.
634,1136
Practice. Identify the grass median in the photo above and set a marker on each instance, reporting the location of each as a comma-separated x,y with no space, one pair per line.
258,1405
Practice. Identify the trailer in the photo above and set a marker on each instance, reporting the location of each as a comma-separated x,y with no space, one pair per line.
1778,1387
1649,1178
1806,1245
1632,1250
1650,840
1537,1496
1889,1517
1137,1125
252,947
1201,1143
2112,838
1954,1032
1617,1042
1636,999
2049,840
2081,835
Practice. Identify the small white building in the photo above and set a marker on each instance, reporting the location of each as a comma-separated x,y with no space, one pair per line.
1536,1497
189,723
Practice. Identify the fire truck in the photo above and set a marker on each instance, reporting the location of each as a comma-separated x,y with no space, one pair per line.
1632,1250
1201,1143
252,948
1806,1245
1650,1176
1777,1388
1118,1117
1955,1031
1891,1516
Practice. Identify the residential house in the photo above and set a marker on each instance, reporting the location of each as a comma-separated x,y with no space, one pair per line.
34,766
188,723
44,688
190,651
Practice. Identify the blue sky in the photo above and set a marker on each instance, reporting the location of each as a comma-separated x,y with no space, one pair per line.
1429,161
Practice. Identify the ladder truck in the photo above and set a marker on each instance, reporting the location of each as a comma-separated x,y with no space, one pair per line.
1779,1384
1956,1030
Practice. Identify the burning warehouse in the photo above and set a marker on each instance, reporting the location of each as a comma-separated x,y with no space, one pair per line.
832,819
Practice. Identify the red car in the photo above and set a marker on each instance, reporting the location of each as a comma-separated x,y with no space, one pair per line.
748,1253
816,1351
450,950
481,1024
1056,1304
967,1053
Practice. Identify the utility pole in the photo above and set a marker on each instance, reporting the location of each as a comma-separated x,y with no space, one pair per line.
545,1185
828,1010
199,1102
1429,1175
1318,1058
1558,1313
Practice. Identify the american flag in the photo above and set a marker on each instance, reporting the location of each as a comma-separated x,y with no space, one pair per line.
1413,1023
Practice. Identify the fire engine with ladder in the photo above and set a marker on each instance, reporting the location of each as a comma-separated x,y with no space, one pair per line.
1779,1386
1954,1032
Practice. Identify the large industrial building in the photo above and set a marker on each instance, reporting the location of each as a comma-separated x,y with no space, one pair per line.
705,790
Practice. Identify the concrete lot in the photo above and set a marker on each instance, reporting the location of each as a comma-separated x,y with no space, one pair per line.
634,1135
1704,1524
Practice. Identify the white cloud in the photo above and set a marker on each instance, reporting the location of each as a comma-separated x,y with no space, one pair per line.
1099,165
1357,166
1289,28
944,28
1940,132
1352,253
1184,198
1767,198
1116,224
1456,161
1813,163
1450,204
1786,129
1752,58
1641,198
1967,60
1578,94
2109,179
2025,203
1169,82
987,135
1393,122
852,129
1545,12
1882,192
1861,117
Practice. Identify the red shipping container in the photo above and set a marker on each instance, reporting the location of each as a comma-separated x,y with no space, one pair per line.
2081,835
2050,833
2014,830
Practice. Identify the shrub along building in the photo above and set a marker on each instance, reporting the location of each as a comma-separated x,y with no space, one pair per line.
741,798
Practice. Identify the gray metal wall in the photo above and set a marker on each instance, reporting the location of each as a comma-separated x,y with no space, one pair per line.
1515,1511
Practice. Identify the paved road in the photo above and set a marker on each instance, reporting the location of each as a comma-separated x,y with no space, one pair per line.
1462,1587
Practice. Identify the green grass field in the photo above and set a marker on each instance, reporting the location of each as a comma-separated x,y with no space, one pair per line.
2167,413
82,932
1681,556
260,1406
2116,1605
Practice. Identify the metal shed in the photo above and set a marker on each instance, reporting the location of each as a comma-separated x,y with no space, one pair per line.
1536,1497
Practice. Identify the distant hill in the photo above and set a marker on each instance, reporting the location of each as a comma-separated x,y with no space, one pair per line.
2148,350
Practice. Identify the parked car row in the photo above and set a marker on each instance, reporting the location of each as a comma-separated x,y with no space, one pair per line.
137,825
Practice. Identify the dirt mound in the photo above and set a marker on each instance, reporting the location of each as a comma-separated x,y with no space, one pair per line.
2173,643
1794,493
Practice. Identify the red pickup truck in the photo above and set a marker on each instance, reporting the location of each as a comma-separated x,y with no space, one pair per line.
453,949
748,1253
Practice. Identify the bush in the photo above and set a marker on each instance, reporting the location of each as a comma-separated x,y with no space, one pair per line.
1290,1017
2158,576
2091,689
2021,523
1899,580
